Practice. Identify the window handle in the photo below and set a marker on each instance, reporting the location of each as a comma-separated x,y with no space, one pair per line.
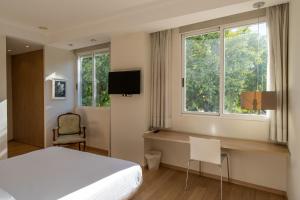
182,82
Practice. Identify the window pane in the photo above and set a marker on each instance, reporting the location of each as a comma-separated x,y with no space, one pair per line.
202,55
86,81
102,70
245,66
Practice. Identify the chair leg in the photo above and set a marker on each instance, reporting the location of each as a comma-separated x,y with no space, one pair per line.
228,176
79,146
200,168
84,146
221,182
187,175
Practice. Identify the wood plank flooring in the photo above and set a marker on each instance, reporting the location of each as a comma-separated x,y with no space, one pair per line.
168,184
17,148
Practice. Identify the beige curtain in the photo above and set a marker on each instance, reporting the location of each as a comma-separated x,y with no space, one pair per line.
161,48
278,25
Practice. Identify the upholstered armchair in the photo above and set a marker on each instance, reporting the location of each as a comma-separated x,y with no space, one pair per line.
69,131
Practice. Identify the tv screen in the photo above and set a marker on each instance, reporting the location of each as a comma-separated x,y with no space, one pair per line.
124,82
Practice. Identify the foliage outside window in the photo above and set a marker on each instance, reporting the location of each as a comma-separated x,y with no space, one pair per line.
219,65
202,72
93,79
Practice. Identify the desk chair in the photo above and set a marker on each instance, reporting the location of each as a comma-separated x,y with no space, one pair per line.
207,150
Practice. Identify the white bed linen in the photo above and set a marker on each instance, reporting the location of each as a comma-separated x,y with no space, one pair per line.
65,174
5,196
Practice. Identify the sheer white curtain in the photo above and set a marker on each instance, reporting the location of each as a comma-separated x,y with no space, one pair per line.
160,109
278,25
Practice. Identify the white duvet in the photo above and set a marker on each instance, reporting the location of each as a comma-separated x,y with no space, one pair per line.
65,174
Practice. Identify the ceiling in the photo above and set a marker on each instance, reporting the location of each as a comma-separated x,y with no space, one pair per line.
77,22
16,46
64,14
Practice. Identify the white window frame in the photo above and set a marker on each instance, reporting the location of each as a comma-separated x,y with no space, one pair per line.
221,113
79,56
183,89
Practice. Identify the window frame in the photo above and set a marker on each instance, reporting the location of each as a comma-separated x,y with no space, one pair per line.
183,70
221,113
91,53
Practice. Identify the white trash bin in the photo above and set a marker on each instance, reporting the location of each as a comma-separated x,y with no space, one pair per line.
153,159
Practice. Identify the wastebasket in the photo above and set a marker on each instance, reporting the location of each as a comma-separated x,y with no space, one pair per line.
153,159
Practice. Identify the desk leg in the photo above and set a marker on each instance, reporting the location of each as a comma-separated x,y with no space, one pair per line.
187,175
221,181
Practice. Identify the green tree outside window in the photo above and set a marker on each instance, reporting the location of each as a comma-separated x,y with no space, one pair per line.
94,79
245,68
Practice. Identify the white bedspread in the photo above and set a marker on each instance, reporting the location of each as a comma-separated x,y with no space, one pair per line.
65,174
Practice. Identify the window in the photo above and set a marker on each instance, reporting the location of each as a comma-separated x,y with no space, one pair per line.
245,67
202,72
86,80
102,69
93,79
221,64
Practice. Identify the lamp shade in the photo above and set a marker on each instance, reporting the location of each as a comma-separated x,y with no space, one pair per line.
258,100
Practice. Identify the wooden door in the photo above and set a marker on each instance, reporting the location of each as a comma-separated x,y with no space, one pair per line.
28,98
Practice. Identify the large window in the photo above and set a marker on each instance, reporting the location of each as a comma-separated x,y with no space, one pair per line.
202,72
221,64
93,79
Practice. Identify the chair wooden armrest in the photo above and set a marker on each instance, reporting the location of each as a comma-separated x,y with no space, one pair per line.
83,130
54,133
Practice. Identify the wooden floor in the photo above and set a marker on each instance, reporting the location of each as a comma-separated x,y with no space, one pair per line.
16,148
168,184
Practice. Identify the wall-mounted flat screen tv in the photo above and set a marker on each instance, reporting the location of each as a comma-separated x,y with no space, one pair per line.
124,82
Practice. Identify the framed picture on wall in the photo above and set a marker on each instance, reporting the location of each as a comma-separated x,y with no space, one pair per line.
59,89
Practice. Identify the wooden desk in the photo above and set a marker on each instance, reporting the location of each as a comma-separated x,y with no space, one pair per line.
227,143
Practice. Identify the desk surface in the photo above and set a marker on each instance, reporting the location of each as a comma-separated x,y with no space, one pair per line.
227,143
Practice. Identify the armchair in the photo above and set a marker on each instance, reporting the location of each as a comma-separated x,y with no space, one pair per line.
69,131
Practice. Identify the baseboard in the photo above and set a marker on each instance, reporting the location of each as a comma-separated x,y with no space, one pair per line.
90,149
234,181
97,149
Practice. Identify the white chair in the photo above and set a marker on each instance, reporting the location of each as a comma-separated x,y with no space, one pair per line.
207,150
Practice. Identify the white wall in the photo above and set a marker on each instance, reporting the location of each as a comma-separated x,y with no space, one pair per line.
294,99
3,99
97,121
59,63
10,135
3,92
130,115
256,168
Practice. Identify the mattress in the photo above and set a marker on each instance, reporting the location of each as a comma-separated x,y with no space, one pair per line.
65,174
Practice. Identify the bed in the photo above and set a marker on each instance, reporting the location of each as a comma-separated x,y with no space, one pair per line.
65,174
